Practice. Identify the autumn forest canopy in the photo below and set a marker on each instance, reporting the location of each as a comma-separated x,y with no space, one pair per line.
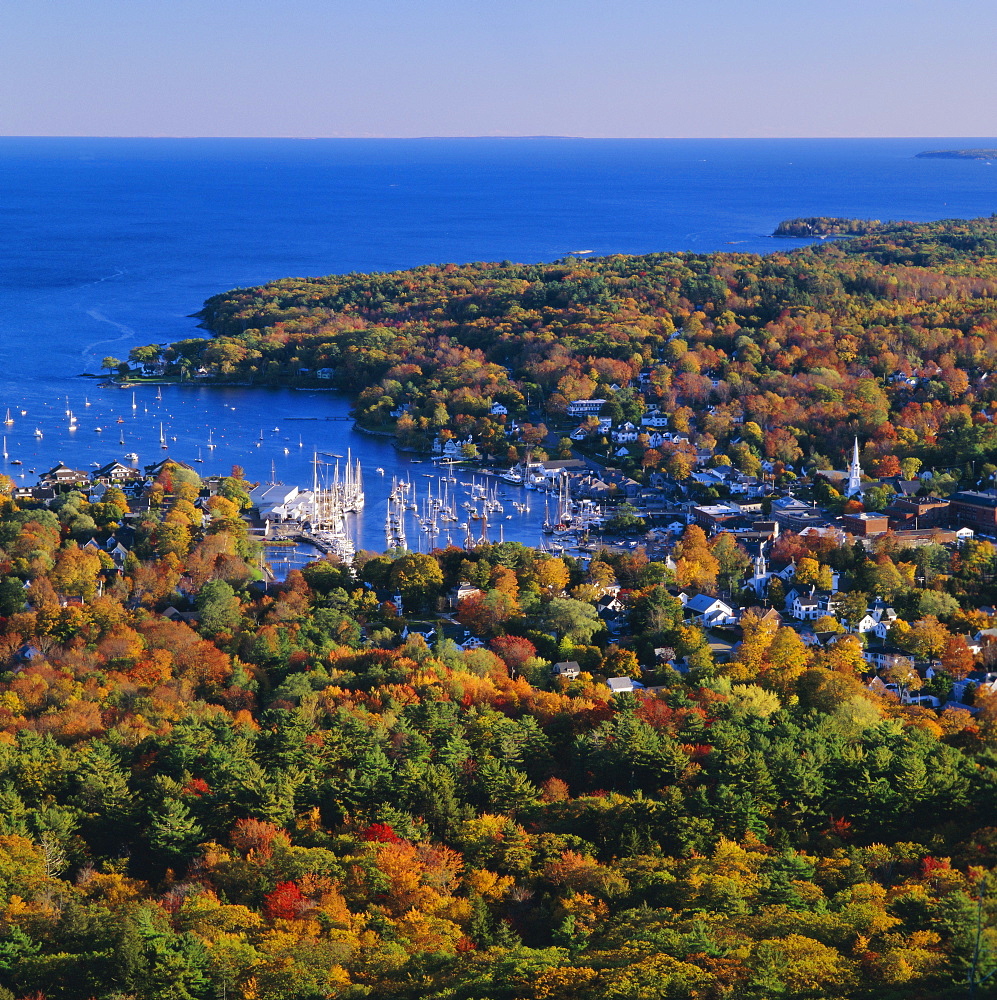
409,778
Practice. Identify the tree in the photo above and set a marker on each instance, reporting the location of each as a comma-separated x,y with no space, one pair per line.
788,658
173,831
957,658
552,575
695,564
810,573
928,638
570,619
621,663
758,633
148,354
417,577
111,364
851,606
844,655
732,559
75,572
220,609
514,651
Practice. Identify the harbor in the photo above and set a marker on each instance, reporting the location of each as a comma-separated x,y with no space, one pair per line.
275,437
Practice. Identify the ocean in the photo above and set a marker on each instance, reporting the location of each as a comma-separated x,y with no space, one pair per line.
106,244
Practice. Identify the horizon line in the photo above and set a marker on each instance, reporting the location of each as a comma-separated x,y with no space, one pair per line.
601,138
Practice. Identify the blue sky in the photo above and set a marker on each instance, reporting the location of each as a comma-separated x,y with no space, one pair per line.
498,67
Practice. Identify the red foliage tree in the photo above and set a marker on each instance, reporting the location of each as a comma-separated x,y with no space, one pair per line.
514,651
286,902
381,833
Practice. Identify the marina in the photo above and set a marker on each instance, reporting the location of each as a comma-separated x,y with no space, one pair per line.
371,495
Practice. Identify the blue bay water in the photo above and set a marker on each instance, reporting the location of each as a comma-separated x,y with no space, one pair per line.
106,244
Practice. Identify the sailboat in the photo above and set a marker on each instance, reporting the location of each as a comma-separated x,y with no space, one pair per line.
134,404
159,393
86,402
211,444
199,459
162,437
9,419
72,421
5,446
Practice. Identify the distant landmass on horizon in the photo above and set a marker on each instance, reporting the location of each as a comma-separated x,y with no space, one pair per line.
958,154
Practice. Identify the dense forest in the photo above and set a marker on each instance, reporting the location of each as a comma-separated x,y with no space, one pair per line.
211,786
891,336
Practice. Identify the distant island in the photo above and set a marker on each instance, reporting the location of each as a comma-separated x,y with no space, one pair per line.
821,225
958,154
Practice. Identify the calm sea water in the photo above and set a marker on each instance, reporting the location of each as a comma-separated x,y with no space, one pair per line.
106,244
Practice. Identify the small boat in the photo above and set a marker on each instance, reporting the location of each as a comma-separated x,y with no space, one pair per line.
287,451
86,402
121,420
131,457
38,433
96,429
379,471
15,461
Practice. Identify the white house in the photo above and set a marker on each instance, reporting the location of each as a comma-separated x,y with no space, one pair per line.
620,685
808,605
585,407
654,420
711,611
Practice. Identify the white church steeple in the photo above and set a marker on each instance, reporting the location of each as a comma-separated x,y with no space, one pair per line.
854,485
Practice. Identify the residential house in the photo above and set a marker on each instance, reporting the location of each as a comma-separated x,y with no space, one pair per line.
116,472
809,604
621,685
569,669
460,592
711,612
62,475
585,407
886,657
